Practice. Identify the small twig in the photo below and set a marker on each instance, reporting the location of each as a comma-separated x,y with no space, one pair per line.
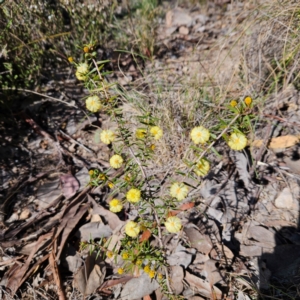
282,120
101,78
39,94
262,149
74,141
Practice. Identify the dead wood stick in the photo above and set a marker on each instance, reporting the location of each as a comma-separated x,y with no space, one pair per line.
74,141
55,271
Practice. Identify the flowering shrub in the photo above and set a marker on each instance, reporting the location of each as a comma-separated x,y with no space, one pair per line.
136,144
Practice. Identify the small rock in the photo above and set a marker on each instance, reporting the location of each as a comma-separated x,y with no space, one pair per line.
199,28
170,30
285,199
72,148
125,80
183,30
202,19
250,251
25,214
178,17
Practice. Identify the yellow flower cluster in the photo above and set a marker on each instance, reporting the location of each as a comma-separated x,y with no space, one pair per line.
116,161
248,101
156,132
140,133
120,271
82,71
147,269
237,141
151,273
173,224
139,262
125,255
179,191
110,185
233,103
132,229
200,135
107,136
93,103
102,177
202,167
133,195
115,205
109,254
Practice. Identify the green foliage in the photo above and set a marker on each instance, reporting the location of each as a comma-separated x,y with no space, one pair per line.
38,36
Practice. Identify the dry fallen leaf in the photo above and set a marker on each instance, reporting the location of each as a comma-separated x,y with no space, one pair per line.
91,275
146,287
279,142
202,287
145,236
198,240
185,206
70,185
177,275
111,218
93,231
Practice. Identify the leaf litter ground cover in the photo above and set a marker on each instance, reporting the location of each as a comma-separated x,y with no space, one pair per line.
240,222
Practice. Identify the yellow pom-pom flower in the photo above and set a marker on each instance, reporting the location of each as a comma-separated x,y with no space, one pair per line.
156,132
140,133
70,59
202,167
93,103
116,161
115,205
248,101
152,147
109,254
160,276
233,103
120,271
139,262
132,229
102,177
151,273
179,191
200,135
237,141
125,255
110,185
107,136
173,224
147,269
133,195
82,71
